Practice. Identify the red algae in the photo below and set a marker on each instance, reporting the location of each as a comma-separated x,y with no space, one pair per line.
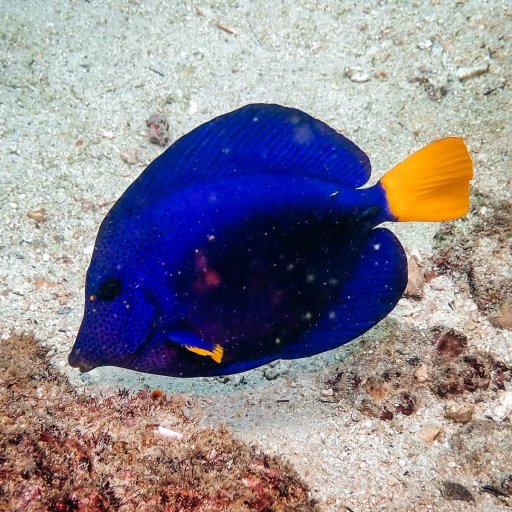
384,381
65,452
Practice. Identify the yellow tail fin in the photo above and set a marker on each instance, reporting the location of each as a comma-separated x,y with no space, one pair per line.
432,184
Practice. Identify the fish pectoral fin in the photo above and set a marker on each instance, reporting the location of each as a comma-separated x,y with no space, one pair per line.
215,353
197,345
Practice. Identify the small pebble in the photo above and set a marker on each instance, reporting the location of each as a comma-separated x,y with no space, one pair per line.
429,434
416,279
504,409
455,491
425,45
64,311
504,319
157,394
129,156
327,392
357,74
39,215
368,424
107,134
192,107
470,325
460,413
238,380
271,373
421,373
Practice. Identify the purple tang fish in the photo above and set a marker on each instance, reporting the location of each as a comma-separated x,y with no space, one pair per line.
252,239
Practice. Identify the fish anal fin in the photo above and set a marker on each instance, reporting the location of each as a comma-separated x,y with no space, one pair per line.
372,290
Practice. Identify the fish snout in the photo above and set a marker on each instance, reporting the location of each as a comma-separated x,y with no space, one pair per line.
77,361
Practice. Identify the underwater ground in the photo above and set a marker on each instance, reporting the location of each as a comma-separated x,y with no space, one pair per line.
415,415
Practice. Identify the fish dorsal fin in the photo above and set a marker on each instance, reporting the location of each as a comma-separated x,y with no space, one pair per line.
257,138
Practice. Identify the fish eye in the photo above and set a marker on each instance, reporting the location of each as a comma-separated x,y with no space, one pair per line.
109,289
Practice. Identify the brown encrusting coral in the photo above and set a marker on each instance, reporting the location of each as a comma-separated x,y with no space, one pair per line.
408,366
60,451
158,129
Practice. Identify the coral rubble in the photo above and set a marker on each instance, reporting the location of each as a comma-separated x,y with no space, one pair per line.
62,451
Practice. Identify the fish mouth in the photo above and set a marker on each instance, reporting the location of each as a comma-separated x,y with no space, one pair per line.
76,361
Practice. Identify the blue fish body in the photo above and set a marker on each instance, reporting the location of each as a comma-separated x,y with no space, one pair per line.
248,240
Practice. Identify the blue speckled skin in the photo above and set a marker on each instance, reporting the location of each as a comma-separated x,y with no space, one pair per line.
249,233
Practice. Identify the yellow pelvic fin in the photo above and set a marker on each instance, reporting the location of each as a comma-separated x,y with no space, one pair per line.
216,354
432,184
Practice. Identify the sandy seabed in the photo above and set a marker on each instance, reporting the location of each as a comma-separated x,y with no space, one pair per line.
411,417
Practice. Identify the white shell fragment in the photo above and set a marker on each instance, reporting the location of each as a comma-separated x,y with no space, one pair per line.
471,72
357,74
504,409
167,433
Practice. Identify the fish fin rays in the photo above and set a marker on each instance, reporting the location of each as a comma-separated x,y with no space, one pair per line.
375,286
257,138
431,184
